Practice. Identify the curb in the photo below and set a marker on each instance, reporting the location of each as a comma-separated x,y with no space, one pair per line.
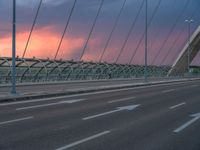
89,90
76,82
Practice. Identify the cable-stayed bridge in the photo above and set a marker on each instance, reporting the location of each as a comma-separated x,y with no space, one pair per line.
158,58
99,75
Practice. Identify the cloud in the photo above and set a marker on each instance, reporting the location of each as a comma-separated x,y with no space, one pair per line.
52,20
43,44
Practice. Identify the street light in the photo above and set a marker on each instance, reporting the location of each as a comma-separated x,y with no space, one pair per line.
13,71
189,22
146,40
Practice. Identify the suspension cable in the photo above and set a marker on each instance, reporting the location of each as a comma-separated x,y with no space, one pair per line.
112,31
156,36
178,37
151,19
130,31
65,29
171,31
91,31
32,28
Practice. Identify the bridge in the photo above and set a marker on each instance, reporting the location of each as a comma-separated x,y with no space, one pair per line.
181,64
100,75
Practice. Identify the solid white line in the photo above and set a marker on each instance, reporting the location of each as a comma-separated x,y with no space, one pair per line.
37,106
16,120
186,125
83,140
178,105
167,91
121,100
51,104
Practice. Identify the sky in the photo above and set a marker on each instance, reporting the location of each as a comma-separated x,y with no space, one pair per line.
167,31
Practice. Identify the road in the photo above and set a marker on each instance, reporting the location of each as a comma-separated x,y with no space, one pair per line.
161,117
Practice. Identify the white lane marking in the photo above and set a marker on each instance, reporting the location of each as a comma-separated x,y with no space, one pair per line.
33,101
84,140
121,100
178,105
167,91
87,94
196,117
61,128
128,108
51,104
16,120
73,101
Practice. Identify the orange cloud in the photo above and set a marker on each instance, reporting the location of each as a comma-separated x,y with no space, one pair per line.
43,44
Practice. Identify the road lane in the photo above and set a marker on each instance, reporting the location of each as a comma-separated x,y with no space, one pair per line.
100,100
149,124
118,93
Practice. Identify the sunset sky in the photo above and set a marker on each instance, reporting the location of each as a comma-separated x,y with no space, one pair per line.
52,20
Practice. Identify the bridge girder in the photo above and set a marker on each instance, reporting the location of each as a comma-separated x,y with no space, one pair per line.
180,65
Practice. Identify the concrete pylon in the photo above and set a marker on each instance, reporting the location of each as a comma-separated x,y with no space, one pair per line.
180,65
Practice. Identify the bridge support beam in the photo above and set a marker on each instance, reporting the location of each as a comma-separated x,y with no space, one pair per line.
180,66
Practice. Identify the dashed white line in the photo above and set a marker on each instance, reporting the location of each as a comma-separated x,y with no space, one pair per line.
167,91
83,140
33,101
121,100
16,120
178,105
73,101
51,104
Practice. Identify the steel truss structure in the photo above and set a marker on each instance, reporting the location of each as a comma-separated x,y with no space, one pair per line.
45,70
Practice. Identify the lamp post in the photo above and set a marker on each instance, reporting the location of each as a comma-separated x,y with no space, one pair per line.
146,40
13,71
189,22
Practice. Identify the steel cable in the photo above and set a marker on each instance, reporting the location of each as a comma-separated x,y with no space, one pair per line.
171,31
32,28
113,29
151,19
67,24
130,31
178,37
91,31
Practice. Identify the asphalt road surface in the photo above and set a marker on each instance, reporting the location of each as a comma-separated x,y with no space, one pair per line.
162,117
